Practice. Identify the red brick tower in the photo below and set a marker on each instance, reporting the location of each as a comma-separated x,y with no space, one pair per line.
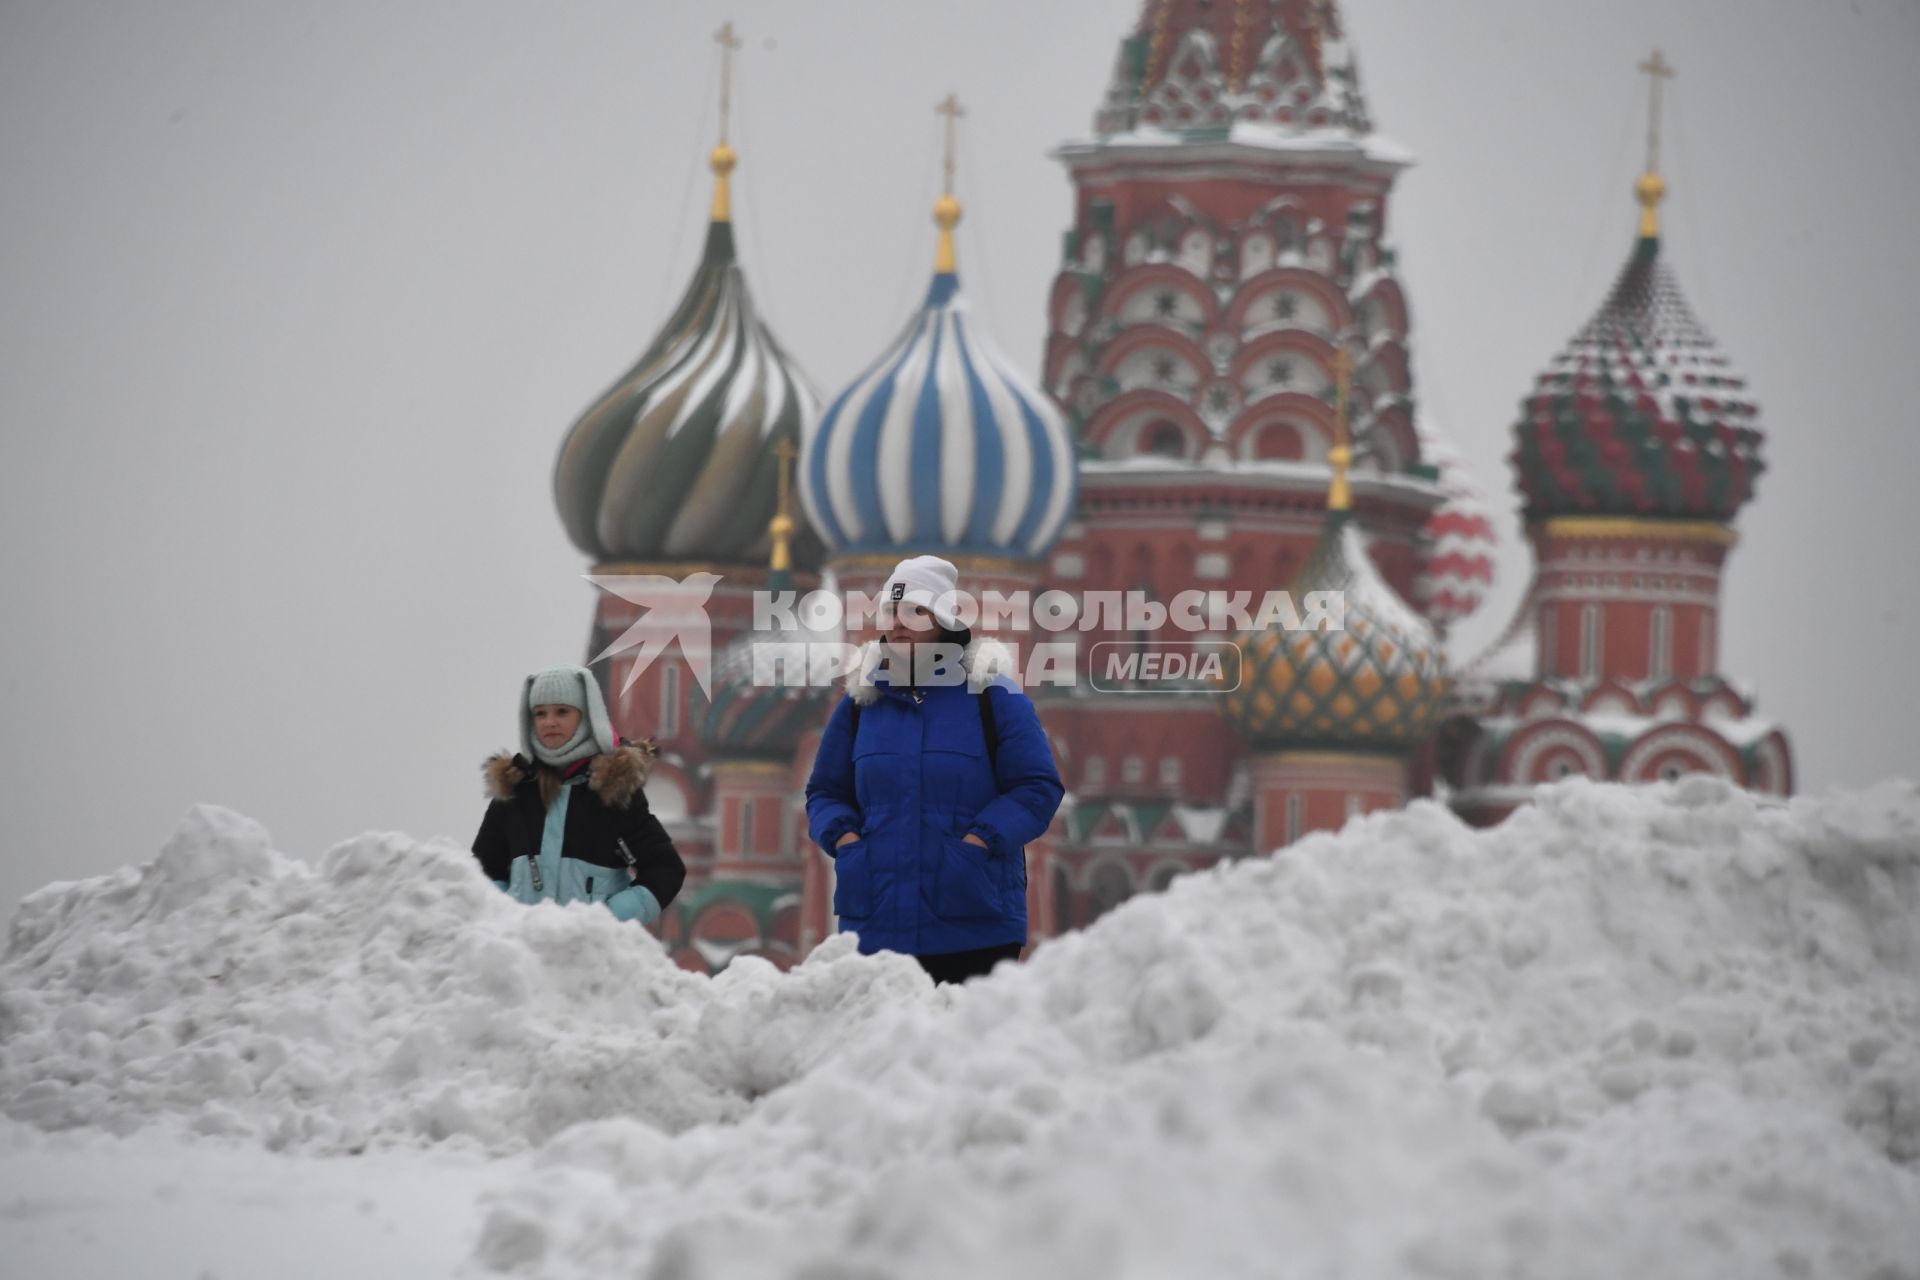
1228,243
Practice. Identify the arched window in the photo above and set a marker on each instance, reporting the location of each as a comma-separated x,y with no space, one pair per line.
1279,441
1163,440
1662,659
1111,886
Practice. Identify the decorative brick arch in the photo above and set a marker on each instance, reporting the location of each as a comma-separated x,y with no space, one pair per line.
1725,701
1672,699
1155,338
1390,359
1115,426
1541,700
1159,275
1300,279
1385,293
1297,342
1553,749
1285,407
1611,697
1679,749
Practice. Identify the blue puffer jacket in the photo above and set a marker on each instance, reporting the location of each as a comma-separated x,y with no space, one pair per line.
916,782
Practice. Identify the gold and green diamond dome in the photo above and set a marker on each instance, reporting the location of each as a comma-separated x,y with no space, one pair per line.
1375,685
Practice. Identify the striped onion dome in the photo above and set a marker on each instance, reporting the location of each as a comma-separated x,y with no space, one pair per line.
1375,685
1458,544
1641,414
676,460
941,445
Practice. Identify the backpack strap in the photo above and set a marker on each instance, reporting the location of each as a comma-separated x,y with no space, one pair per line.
992,731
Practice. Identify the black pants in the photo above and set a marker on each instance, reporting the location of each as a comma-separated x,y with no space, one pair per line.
958,966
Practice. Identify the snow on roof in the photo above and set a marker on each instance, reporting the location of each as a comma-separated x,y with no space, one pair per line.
1326,141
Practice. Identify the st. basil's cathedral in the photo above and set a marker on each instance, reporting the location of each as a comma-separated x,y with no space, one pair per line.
1225,403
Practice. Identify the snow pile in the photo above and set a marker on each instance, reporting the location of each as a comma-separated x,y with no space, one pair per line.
1673,1031
393,995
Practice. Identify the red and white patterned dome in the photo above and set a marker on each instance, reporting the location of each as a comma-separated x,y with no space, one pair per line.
1457,544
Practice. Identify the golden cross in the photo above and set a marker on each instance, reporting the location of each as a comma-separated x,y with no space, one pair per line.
952,110
728,42
1656,69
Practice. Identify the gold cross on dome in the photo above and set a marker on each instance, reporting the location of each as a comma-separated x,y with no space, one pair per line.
1655,69
729,43
952,110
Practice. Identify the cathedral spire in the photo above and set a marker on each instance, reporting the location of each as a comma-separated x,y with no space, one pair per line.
722,159
946,210
1340,492
1652,187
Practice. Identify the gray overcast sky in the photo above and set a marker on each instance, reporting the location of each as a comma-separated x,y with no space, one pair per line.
299,300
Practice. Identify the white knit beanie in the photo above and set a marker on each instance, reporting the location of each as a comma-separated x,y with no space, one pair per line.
930,582
566,687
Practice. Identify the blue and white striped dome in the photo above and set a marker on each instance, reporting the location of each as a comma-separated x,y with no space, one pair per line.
941,446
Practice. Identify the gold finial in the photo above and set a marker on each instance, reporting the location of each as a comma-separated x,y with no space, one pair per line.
1652,186
722,159
946,210
781,526
1339,493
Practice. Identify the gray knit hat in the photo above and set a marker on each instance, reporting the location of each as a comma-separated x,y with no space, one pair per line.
566,687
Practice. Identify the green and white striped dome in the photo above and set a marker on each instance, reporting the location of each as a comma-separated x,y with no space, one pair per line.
676,460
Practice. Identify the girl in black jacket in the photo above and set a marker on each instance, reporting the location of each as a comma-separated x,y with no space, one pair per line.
569,820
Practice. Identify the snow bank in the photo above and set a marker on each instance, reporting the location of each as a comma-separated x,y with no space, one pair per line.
1673,1030
393,995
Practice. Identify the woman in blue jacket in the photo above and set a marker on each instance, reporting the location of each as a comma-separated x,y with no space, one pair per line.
926,820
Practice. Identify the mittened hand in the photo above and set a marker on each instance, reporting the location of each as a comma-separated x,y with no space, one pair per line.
635,902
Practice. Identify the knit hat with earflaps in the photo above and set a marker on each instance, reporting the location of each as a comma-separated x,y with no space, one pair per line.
930,582
566,687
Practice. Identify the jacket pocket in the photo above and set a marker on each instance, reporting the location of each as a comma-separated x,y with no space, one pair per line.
852,881
969,884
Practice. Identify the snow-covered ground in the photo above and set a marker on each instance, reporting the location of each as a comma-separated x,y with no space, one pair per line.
1671,1032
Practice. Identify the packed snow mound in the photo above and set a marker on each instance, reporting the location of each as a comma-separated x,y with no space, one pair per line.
392,995
1672,1030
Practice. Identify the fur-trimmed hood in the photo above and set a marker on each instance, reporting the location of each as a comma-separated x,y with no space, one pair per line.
616,776
983,659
